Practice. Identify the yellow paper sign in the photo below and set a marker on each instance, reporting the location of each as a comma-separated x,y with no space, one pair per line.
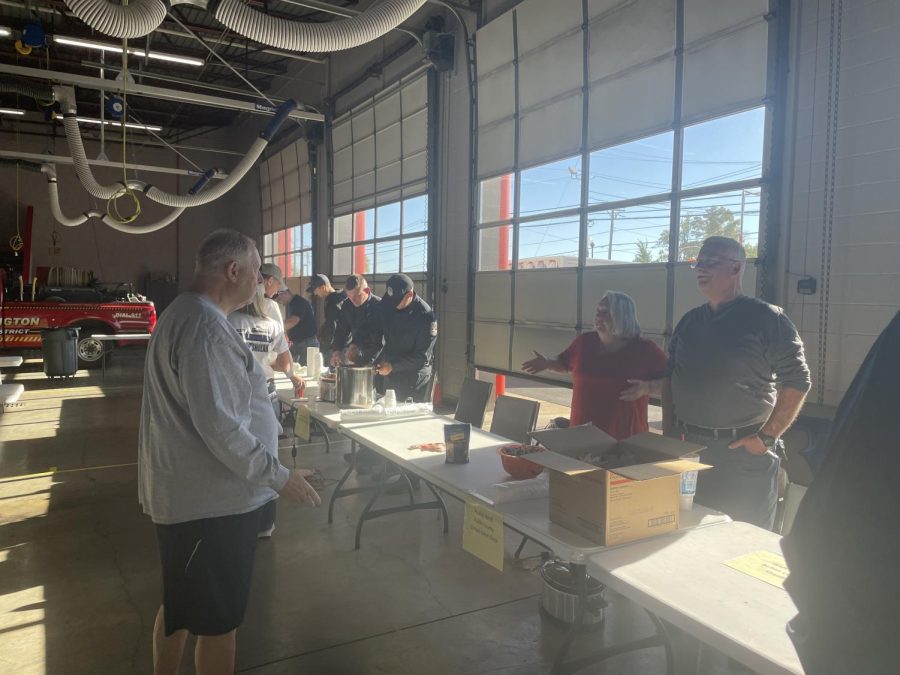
301,422
483,534
770,567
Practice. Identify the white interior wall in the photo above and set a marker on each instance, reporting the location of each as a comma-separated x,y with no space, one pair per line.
846,175
113,255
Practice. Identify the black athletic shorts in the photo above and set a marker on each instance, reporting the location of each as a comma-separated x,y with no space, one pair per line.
207,566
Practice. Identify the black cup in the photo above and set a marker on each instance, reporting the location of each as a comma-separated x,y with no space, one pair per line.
456,440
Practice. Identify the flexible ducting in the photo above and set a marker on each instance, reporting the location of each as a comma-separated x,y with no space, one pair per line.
315,37
217,190
106,219
136,19
35,90
82,168
197,198
143,229
53,189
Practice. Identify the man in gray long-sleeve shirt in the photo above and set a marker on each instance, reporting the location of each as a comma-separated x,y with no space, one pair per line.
736,379
208,457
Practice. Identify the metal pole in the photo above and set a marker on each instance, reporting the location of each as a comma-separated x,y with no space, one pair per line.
741,233
135,89
38,158
612,226
103,110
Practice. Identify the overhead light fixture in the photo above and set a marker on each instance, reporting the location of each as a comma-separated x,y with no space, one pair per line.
111,123
5,32
103,47
11,111
128,125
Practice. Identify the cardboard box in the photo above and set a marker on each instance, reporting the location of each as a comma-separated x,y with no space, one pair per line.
618,505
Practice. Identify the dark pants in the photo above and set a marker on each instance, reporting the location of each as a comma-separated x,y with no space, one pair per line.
742,485
410,385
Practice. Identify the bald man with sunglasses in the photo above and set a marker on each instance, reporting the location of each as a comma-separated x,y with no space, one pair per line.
736,380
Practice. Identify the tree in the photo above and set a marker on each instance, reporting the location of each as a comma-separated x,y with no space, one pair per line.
644,254
714,221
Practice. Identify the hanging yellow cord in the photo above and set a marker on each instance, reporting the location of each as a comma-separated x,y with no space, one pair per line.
15,242
112,206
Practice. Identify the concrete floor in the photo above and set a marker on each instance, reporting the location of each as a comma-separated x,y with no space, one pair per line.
79,576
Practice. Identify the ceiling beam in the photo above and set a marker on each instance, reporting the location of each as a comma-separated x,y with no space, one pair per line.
55,7
63,159
152,92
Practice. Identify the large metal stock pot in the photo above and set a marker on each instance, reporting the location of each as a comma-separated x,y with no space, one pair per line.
355,387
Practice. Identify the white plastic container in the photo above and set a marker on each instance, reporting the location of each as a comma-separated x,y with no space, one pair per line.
312,361
390,399
689,484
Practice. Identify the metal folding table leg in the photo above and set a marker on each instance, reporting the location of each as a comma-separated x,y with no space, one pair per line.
339,492
443,506
521,546
563,667
370,513
322,429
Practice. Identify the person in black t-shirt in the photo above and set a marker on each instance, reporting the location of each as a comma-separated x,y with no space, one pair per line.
299,324
320,286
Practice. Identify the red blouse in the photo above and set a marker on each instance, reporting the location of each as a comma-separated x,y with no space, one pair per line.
599,376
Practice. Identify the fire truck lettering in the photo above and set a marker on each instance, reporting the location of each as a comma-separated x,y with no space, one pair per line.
21,321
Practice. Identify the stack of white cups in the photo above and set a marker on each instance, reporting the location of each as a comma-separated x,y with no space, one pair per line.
390,399
313,362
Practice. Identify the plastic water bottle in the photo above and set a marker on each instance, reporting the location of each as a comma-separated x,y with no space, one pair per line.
689,485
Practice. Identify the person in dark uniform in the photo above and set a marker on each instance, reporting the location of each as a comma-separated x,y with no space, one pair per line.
358,341
410,331
320,286
299,324
357,337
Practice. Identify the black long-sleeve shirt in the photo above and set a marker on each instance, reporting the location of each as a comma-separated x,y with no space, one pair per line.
409,336
333,304
360,326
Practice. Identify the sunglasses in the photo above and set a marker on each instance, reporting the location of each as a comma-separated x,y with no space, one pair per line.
709,263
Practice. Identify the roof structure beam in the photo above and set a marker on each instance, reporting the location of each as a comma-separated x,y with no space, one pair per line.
152,92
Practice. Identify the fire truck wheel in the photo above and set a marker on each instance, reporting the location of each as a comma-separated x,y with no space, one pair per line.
90,351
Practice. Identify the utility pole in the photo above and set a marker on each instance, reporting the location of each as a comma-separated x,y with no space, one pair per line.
743,198
612,227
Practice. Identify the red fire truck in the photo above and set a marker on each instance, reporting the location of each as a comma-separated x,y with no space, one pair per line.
21,321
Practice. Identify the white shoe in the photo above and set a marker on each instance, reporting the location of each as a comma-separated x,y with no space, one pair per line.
265,534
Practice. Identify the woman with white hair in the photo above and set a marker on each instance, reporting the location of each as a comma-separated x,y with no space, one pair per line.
602,362
269,346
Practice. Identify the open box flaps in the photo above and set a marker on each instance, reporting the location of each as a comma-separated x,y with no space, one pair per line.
616,505
657,455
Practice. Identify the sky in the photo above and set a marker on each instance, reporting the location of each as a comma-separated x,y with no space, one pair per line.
718,151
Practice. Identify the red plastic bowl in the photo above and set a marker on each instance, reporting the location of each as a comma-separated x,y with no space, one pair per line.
518,467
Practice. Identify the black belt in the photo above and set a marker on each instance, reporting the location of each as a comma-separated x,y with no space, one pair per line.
728,432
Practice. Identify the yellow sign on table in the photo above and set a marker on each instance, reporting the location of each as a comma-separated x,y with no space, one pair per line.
770,567
483,534
301,422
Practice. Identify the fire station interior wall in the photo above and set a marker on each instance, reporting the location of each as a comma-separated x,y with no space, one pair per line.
380,145
842,185
286,187
112,255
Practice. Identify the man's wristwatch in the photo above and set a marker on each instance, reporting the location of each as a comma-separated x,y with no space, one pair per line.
769,441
